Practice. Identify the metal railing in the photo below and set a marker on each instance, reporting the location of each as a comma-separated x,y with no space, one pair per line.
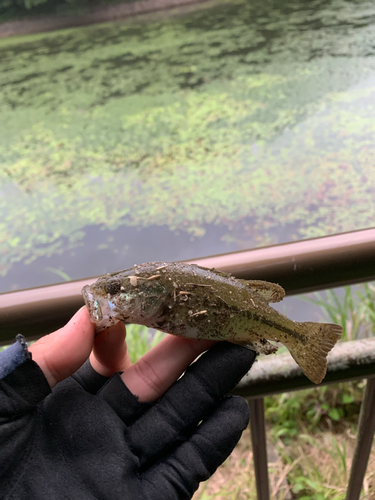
303,266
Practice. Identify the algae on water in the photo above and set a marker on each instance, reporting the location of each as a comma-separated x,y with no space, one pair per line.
255,116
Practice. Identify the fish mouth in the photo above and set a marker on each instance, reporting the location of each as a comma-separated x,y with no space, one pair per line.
92,304
101,309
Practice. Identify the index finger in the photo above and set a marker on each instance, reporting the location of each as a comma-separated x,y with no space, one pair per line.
152,375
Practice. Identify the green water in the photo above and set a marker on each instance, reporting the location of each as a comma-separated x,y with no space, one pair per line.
243,124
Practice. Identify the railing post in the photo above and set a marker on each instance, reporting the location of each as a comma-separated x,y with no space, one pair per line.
258,439
365,437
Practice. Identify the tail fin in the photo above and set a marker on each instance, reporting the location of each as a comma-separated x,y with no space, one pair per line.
312,356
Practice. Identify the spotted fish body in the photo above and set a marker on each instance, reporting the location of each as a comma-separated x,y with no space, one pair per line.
195,302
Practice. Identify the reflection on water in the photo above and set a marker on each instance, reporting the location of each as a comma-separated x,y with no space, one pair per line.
99,247
247,123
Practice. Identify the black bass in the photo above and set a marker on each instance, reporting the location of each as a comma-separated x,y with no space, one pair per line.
199,303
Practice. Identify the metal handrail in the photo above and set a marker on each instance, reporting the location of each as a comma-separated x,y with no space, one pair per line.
302,266
354,360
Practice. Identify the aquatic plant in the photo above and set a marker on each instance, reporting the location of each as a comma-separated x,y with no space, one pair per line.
186,123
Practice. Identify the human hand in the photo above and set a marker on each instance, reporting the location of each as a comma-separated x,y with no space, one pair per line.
92,438
61,353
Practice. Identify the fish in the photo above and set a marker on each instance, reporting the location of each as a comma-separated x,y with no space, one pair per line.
200,303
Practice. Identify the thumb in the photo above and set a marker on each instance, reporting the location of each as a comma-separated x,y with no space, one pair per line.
61,353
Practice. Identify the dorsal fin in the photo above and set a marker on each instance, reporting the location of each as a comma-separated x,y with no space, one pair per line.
270,292
220,273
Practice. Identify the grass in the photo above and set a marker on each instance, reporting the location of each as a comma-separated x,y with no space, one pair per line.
354,311
140,340
313,430
315,467
312,465
325,408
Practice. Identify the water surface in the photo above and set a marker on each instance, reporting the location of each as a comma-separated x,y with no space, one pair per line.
244,124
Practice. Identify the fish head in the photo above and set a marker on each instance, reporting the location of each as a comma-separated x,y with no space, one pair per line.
98,305
123,298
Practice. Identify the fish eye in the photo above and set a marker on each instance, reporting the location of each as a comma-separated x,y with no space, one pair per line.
112,287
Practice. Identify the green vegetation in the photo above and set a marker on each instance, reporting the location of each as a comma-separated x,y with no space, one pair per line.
316,466
254,116
185,123
355,312
11,10
140,340
332,407
313,430
32,4
26,4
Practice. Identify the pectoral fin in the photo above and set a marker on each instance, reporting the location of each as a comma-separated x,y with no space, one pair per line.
270,292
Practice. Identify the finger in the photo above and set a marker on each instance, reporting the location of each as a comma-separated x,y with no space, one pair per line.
179,475
152,375
61,353
110,354
190,400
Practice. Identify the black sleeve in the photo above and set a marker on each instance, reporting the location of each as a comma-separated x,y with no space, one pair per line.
22,386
